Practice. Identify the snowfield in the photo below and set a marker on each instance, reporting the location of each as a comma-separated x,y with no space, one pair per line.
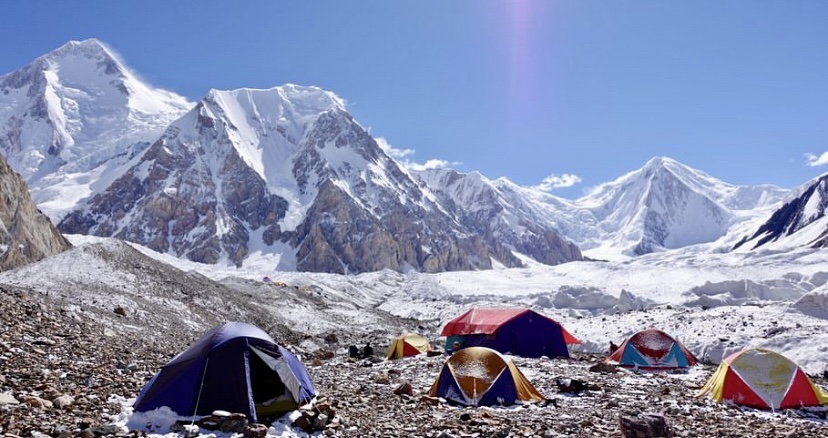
716,304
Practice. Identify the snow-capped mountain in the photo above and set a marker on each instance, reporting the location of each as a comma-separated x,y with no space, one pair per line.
285,172
800,222
667,205
663,205
529,221
70,118
287,175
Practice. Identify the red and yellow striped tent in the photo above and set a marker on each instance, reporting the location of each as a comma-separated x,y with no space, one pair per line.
762,379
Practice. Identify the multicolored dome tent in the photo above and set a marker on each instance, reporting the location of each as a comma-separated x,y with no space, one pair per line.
522,332
235,367
652,349
762,379
408,344
479,376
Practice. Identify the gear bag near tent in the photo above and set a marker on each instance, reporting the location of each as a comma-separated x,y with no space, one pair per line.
409,344
521,332
652,349
235,367
479,376
762,379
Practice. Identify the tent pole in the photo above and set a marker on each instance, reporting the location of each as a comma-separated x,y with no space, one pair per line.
200,386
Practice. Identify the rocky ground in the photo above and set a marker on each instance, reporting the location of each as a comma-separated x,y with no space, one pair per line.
60,367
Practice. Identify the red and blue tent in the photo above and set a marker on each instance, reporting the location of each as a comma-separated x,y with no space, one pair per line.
652,349
235,367
521,332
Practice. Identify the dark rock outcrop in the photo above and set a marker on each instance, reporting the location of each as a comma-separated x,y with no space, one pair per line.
26,235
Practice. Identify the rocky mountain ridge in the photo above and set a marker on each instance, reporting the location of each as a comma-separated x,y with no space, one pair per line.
26,235
802,218
329,198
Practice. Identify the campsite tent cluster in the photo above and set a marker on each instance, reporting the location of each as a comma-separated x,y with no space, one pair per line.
238,367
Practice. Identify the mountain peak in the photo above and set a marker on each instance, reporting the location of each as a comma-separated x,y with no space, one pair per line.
89,47
662,163
74,109
659,161
301,100
75,53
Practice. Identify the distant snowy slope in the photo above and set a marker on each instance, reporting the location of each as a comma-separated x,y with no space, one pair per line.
667,205
664,205
800,222
71,116
526,220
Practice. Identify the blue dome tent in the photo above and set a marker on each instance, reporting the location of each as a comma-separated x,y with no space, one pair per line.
235,367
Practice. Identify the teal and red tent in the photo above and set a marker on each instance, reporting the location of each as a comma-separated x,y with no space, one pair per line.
652,349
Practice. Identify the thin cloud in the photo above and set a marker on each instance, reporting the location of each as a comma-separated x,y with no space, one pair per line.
401,155
397,154
430,164
553,182
814,160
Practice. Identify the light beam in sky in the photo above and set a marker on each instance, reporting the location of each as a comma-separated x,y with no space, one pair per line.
521,56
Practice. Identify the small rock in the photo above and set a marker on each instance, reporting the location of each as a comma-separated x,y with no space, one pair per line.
255,430
320,422
303,422
63,401
404,388
434,401
7,399
106,430
603,367
382,379
36,402
644,425
236,423
190,431
120,311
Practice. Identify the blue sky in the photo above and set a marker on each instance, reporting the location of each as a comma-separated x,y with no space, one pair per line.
520,89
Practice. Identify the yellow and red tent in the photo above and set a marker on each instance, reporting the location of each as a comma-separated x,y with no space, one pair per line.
408,344
762,379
